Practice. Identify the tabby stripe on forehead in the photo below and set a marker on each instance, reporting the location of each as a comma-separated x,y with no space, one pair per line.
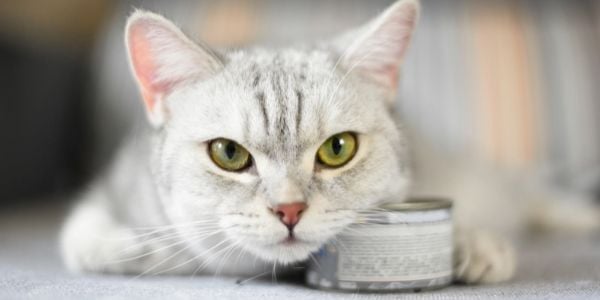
256,80
260,96
303,68
299,99
280,125
246,127
254,71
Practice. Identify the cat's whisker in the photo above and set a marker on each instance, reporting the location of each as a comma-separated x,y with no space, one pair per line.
255,260
163,261
241,252
224,257
274,272
193,258
242,282
275,264
374,209
338,242
219,257
174,225
155,231
174,254
162,238
157,239
364,235
312,257
350,229
207,260
198,238
127,259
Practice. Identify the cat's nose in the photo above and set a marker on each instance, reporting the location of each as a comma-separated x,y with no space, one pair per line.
289,213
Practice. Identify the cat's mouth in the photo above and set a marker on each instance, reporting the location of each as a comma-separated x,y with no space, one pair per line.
285,250
293,241
290,240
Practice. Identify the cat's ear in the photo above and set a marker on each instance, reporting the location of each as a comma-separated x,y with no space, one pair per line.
162,58
377,49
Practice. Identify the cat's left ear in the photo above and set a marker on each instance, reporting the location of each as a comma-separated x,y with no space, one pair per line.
377,49
163,58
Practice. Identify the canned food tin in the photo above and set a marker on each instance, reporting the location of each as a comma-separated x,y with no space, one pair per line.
400,247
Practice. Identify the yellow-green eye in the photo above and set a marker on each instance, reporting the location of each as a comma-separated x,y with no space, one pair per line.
337,150
229,155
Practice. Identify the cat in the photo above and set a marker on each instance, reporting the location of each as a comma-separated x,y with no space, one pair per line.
254,158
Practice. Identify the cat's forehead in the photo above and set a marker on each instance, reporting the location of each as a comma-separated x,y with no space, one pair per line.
281,108
259,64
279,102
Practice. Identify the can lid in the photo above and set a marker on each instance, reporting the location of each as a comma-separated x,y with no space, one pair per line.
420,203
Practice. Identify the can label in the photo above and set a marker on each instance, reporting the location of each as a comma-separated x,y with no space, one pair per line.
391,251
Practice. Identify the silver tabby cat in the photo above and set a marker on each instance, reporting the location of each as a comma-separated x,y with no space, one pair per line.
256,157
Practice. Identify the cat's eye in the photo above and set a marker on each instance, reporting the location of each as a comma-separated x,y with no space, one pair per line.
337,150
229,155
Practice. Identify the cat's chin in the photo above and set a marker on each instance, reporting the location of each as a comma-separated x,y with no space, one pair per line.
286,251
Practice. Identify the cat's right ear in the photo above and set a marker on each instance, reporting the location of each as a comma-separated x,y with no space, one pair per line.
162,58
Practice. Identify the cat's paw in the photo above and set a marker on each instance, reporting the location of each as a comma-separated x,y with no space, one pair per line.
92,242
480,257
115,252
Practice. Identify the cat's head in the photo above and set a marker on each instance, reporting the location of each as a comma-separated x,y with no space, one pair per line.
277,150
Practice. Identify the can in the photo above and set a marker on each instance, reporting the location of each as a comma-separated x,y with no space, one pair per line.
404,246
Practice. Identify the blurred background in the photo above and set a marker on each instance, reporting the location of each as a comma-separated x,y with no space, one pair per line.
515,84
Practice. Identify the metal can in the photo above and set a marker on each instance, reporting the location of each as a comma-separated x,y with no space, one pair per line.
404,246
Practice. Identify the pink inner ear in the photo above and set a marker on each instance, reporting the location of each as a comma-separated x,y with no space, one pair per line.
143,64
405,22
163,58
387,75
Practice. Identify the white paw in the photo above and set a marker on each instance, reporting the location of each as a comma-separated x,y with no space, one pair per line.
92,242
107,251
483,258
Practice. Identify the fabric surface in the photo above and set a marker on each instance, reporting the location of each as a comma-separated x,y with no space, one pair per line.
563,267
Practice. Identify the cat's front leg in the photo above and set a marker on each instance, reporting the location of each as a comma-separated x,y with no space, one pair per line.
482,257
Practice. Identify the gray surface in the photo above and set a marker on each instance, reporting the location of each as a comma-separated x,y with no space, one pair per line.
560,268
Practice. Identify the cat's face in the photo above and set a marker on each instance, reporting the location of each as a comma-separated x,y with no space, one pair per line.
242,136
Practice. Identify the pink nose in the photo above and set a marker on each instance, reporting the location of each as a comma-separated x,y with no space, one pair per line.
289,214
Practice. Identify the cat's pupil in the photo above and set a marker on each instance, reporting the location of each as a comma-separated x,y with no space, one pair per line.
230,150
336,145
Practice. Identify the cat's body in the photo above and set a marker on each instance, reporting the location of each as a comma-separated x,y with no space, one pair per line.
166,206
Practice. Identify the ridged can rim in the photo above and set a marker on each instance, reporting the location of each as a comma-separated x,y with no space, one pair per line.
419,203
